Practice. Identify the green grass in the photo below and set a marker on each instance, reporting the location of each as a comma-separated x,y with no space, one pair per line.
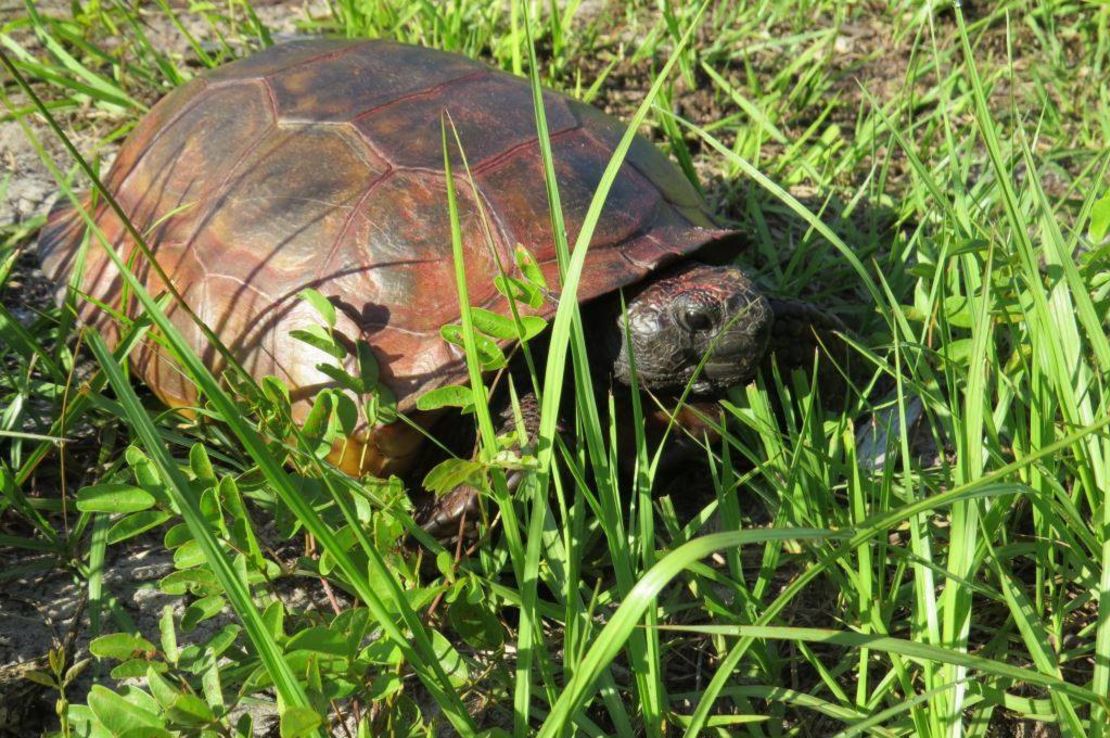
929,556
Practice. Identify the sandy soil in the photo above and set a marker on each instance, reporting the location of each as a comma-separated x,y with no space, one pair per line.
41,610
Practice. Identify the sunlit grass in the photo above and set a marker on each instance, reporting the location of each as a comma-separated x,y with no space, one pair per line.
928,556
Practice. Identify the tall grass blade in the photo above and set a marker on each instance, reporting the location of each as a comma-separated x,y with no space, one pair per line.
177,485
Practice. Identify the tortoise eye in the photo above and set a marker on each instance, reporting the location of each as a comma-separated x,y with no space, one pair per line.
695,316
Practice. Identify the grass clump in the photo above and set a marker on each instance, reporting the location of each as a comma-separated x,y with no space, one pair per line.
924,554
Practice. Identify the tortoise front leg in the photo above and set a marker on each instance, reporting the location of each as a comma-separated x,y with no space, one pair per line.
447,516
801,331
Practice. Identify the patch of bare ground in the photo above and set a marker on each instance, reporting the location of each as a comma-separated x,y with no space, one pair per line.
40,610
47,606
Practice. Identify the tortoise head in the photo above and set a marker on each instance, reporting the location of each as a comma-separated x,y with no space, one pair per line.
689,313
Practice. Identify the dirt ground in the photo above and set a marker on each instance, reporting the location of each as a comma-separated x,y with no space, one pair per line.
44,610
40,611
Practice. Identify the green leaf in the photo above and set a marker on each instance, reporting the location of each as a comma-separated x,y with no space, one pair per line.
191,710
1100,219
121,646
450,659
346,412
83,718
75,671
521,291
957,311
319,640
957,351
135,524
114,498
452,395
212,687
449,474
177,536
489,353
200,464
40,677
117,714
381,406
197,581
320,304
217,644
189,555
146,731
319,338
368,370
383,653
385,685
503,327
971,246
135,668
160,687
475,624
201,610
316,425
275,390
531,271
146,474
342,378
274,618
299,721
168,635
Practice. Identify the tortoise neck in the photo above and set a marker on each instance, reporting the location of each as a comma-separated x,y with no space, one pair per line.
604,339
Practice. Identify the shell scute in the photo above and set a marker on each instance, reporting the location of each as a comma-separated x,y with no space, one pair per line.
286,206
515,188
150,127
180,168
492,114
648,160
396,258
351,84
283,57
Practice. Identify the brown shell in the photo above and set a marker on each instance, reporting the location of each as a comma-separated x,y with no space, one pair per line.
319,164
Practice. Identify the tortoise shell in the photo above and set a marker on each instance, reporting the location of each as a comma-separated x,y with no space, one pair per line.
319,164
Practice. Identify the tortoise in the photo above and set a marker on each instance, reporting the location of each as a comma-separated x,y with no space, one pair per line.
318,164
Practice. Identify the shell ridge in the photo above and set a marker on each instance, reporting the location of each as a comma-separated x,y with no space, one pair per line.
221,188
207,202
325,56
349,219
476,74
271,101
500,231
498,159
157,136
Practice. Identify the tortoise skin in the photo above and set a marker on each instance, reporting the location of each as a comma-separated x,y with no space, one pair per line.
319,164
